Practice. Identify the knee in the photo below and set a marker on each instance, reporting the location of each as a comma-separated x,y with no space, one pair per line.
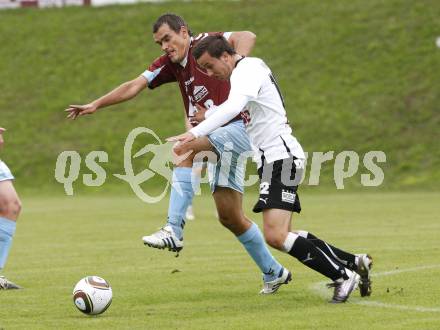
235,224
226,221
274,239
10,208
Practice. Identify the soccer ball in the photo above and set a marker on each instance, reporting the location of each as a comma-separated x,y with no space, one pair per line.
92,295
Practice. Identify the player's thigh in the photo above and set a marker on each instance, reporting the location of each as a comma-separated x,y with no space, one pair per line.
228,202
10,204
228,199
230,211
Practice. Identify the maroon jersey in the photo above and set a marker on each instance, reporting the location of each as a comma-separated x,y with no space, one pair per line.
195,85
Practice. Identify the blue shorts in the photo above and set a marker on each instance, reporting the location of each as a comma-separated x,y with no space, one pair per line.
232,144
5,172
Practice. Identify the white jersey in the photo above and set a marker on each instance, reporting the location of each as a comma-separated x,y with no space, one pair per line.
264,114
255,93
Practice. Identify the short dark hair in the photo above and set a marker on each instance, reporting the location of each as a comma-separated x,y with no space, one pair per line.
175,22
214,45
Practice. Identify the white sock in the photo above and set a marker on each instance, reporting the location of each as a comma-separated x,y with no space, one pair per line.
290,240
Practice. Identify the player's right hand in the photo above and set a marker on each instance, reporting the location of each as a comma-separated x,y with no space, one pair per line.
182,138
80,110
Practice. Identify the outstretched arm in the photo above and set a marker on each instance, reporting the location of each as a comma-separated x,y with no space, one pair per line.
122,93
243,42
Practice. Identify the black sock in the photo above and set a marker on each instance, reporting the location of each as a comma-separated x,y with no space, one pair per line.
314,258
341,257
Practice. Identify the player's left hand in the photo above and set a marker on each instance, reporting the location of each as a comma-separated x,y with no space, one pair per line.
199,115
182,138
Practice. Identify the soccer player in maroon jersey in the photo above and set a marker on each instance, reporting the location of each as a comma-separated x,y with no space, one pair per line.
172,34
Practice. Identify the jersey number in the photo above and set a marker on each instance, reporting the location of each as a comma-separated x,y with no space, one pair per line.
264,188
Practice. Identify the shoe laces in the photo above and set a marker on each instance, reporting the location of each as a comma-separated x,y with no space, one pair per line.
163,233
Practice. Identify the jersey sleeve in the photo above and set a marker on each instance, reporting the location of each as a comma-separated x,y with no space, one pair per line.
159,73
221,116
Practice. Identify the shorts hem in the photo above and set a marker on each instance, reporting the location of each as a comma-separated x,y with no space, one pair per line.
217,185
258,208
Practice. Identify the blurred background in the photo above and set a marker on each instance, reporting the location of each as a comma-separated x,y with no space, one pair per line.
355,75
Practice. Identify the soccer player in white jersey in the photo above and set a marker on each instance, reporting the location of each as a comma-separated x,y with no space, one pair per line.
177,65
10,207
280,159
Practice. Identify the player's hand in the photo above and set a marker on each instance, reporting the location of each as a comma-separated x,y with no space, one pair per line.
182,138
199,115
80,110
2,130
180,152
192,122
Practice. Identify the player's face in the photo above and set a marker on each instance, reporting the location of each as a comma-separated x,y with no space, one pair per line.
219,68
175,45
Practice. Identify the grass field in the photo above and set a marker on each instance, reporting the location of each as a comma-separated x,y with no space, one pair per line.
356,75
60,240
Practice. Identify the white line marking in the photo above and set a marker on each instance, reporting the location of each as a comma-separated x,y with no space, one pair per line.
403,307
323,292
405,270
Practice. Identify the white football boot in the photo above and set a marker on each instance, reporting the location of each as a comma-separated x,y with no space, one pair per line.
164,238
364,265
343,288
273,286
5,284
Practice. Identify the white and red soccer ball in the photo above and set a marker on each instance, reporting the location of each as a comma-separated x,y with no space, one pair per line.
92,295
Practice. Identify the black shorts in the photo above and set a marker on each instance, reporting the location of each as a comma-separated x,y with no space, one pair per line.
278,186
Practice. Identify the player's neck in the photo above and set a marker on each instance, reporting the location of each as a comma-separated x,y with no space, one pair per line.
185,59
188,46
235,59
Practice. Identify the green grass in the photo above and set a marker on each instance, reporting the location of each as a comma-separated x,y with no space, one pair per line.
356,75
60,240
